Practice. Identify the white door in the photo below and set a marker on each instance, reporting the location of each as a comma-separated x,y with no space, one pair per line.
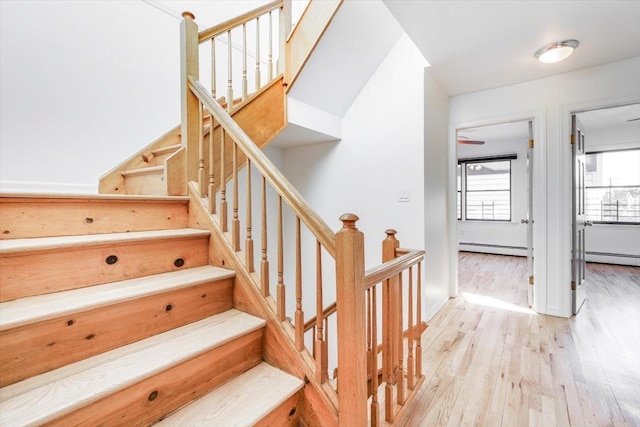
529,219
580,223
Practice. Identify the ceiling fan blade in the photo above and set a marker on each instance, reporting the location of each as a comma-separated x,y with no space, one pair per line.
470,141
633,120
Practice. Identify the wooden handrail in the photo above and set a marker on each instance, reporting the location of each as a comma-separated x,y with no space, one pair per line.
325,313
261,162
390,268
225,26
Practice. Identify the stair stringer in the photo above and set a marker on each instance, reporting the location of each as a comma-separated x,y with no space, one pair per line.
318,405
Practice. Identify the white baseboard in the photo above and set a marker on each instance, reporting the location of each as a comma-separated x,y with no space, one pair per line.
47,187
619,259
491,249
428,315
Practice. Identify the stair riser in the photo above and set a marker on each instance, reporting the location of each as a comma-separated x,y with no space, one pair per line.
25,219
285,415
175,387
41,273
33,349
153,184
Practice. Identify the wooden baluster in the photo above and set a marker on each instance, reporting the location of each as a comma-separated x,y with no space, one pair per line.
419,322
201,175
369,350
299,313
258,54
410,324
280,288
235,221
375,406
320,347
352,345
230,71
264,263
399,369
223,184
213,68
285,26
325,356
389,329
212,178
189,67
244,61
270,46
248,246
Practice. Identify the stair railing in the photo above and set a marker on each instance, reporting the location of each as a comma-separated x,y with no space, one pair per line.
364,299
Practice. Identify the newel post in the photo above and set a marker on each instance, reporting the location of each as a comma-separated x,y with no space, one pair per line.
352,344
190,117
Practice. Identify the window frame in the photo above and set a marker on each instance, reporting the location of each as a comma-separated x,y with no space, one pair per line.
463,162
587,187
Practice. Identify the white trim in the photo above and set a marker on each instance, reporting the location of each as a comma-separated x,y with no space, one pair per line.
47,187
539,203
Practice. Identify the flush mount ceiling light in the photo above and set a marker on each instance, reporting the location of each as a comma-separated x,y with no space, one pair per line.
556,51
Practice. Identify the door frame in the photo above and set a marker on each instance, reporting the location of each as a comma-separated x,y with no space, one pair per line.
566,159
539,207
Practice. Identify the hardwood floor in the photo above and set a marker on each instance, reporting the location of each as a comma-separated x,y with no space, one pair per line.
490,361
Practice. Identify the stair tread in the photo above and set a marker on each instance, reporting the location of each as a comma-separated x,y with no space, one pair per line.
149,170
243,401
38,308
167,149
17,246
7,197
47,396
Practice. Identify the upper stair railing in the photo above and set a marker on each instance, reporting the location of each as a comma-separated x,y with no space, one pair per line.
369,321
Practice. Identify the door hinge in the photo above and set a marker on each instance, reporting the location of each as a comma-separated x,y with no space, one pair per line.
573,285
573,139
531,143
531,280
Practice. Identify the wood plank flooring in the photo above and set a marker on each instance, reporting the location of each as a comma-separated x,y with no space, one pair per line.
490,361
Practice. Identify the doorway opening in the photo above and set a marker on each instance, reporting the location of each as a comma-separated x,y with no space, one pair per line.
606,192
494,212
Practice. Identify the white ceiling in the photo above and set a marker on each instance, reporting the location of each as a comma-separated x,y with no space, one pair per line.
360,35
482,44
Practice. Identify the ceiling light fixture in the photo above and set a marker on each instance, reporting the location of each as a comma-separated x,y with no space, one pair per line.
556,51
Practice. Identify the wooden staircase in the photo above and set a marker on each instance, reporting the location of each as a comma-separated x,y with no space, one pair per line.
173,306
110,314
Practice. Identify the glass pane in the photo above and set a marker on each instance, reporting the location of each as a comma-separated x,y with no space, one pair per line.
613,186
613,168
489,205
489,176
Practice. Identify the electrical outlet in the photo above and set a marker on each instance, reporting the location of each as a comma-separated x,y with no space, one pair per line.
404,196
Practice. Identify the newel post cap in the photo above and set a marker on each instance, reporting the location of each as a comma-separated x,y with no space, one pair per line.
349,221
187,14
391,233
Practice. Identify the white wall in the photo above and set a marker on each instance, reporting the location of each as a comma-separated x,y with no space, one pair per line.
503,236
622,241
441,269
557,96
380,154
86,84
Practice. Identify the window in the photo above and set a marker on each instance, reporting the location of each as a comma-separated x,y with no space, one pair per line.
484,191
612,186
